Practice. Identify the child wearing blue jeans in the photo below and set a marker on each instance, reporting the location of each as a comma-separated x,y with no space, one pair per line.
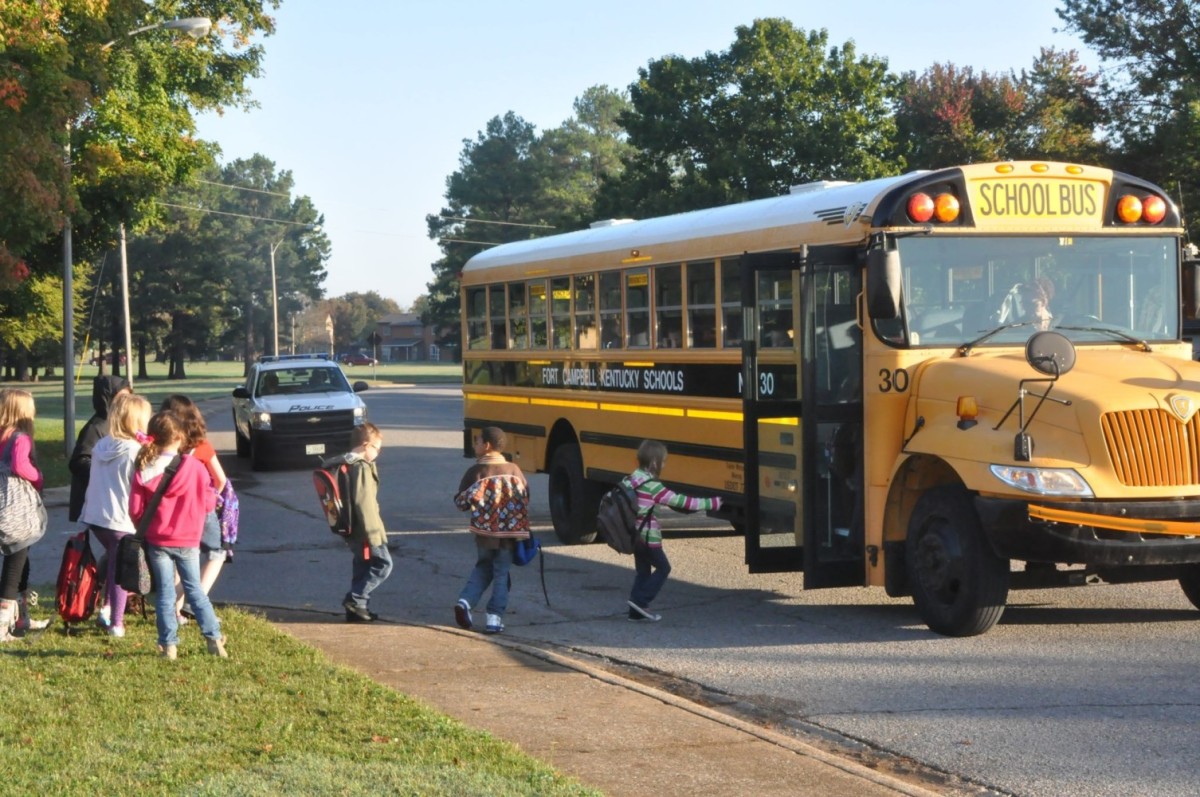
496,494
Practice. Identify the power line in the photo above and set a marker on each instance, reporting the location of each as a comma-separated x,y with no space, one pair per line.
505,223
237,215
243,188
465,241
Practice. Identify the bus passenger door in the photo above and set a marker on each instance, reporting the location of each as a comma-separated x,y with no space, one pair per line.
831,357
802,410
772,410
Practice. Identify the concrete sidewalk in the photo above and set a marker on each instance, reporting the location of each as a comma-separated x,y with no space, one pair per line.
621,736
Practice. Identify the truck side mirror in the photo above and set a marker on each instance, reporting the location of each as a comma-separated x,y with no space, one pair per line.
883,284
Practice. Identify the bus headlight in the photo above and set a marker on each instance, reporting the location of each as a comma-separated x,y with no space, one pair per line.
1043,481
260,420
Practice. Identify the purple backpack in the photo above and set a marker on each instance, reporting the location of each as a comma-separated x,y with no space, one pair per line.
227,514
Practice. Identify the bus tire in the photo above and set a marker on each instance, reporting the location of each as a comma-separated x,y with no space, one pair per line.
573,499
1189,580
959,584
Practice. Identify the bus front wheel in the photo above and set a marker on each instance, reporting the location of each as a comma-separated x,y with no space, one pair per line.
959,585
573,499
1189,579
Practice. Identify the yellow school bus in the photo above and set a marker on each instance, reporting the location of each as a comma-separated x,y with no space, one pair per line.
948,383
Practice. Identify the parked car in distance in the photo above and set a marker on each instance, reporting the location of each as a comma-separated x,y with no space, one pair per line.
358,359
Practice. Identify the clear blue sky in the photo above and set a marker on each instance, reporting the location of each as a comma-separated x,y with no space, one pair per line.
368,102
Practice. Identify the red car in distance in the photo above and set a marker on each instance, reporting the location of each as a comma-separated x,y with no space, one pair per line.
358,359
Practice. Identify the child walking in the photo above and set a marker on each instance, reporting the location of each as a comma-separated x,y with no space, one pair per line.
649,558
372,562
496,493
106,506
173,534
16,444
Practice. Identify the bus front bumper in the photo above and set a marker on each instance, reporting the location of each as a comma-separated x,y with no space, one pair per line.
1093,532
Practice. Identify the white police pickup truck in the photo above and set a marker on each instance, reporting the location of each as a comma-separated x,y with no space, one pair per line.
295,407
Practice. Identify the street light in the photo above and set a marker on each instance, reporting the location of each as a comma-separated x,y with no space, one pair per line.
275,292
195,27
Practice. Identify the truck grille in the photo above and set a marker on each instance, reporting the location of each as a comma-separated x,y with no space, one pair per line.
1151,448
312,424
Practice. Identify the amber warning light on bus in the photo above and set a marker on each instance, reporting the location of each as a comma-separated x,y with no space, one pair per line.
1149,209
967,411
922,207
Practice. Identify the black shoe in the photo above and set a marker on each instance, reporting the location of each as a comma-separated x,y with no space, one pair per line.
356,613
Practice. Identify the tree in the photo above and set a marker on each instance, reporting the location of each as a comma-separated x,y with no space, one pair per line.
355,316
950,114
779,107
124,111
1153,51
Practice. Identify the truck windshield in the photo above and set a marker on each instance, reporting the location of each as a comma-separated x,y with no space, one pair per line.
1092,289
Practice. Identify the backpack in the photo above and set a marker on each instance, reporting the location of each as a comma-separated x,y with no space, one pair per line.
332,482
77,587
617,520
228,512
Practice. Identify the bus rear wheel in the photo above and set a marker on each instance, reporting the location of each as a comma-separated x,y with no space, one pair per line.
959,585
1189,579
574,500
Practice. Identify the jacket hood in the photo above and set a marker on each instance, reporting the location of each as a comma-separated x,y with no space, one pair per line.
110,448
103,389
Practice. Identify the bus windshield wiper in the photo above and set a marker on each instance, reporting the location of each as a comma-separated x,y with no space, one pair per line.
965,349
1116,333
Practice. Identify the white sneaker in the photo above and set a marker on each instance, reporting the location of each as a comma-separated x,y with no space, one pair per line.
462,613
116,630
104,616
495,624
638,613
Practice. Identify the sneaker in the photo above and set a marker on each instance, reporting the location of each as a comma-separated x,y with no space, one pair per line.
104,616
638,613
181,619
462,613
217,647
356,613
116,630
168,652
494,624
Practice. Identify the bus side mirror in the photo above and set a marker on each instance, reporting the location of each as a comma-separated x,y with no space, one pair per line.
1191,289
883,284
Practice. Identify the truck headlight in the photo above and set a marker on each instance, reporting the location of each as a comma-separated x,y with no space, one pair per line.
260,419
360,415
1043,481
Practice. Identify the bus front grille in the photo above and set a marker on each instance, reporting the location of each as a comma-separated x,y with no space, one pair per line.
1151,448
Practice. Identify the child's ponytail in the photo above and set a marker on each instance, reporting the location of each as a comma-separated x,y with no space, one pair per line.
163,430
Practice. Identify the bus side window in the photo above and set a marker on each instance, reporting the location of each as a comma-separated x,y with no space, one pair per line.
668,301
496,317
701,305
585,312
611,332
637,307
560,312
477,325
537,314
518,321
731,302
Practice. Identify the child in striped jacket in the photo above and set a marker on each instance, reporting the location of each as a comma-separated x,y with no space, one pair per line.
649,558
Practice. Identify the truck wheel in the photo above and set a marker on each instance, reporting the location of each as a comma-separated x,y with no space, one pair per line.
959,585
1189,579
243,445
574,500
258,459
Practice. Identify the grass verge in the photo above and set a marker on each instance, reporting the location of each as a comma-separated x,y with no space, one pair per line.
87,714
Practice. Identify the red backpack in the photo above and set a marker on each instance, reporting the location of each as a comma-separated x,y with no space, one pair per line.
332,482
78,585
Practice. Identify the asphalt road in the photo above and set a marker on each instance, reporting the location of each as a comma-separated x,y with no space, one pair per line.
1087,691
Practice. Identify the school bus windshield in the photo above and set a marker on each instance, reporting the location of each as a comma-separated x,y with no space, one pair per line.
1091,289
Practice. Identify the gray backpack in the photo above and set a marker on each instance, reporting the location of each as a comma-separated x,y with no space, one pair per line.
617,520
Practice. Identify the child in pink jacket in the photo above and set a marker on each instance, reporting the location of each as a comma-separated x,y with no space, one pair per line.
173,534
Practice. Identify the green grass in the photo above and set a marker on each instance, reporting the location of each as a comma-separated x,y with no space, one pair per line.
205,380
88,714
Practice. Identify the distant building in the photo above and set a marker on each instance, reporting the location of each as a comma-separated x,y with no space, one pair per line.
403,338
